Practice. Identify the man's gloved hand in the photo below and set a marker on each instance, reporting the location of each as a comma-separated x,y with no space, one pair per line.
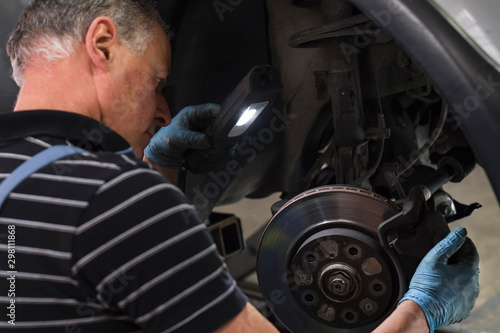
169,144
446,283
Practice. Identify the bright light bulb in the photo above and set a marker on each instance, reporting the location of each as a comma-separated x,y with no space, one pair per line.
246,117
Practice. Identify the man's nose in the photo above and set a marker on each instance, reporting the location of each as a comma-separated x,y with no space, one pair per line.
162,116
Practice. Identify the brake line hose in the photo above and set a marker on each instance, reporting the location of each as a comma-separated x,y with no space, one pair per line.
435,135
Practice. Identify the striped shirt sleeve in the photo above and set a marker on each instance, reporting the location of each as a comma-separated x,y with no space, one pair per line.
142,251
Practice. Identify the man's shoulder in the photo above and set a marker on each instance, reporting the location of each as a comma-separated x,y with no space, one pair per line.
117,168
86,172
120,183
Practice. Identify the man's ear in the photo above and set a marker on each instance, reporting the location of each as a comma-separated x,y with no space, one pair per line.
100,41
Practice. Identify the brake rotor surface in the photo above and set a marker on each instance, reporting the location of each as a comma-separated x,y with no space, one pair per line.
320,265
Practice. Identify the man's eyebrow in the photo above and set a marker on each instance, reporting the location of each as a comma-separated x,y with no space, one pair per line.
164,73
160,74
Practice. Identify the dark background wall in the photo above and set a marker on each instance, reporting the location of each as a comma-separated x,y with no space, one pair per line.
10,10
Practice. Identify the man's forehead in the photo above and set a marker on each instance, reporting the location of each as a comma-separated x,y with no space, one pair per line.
164,51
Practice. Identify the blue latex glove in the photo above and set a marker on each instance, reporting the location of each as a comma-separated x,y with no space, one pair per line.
446,289
169,144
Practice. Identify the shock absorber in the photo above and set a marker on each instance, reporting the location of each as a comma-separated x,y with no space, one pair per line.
345,93
344,89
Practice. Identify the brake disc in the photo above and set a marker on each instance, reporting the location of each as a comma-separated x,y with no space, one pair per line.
321,267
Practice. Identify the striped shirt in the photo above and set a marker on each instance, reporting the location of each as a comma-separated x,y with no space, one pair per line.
102,242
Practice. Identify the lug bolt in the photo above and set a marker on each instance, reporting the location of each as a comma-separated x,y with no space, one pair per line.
302,278
368,306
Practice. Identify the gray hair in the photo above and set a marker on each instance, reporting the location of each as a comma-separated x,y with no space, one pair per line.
51,28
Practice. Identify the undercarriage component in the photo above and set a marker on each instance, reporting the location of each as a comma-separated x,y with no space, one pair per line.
432,139
344,88
321,267
411,233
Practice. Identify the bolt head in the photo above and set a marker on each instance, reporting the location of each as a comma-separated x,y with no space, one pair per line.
340,284
368,306
302,279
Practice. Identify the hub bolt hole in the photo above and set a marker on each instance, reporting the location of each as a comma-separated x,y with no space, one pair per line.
309,298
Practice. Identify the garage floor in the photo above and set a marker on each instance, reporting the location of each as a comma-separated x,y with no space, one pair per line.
483,227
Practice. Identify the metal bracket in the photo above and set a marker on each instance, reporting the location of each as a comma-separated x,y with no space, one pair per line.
410,234
227,234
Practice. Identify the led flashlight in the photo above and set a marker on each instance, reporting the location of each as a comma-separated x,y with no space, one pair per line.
251,100
247,118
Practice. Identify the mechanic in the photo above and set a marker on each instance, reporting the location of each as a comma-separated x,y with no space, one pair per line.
101,242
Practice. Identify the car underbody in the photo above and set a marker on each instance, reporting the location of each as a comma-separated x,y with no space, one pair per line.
375,116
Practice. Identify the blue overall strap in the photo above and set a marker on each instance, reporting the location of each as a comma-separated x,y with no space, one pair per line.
34,164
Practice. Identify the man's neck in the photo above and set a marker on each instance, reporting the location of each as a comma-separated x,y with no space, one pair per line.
47,88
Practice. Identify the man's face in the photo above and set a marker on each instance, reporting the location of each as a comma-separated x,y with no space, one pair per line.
136,104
